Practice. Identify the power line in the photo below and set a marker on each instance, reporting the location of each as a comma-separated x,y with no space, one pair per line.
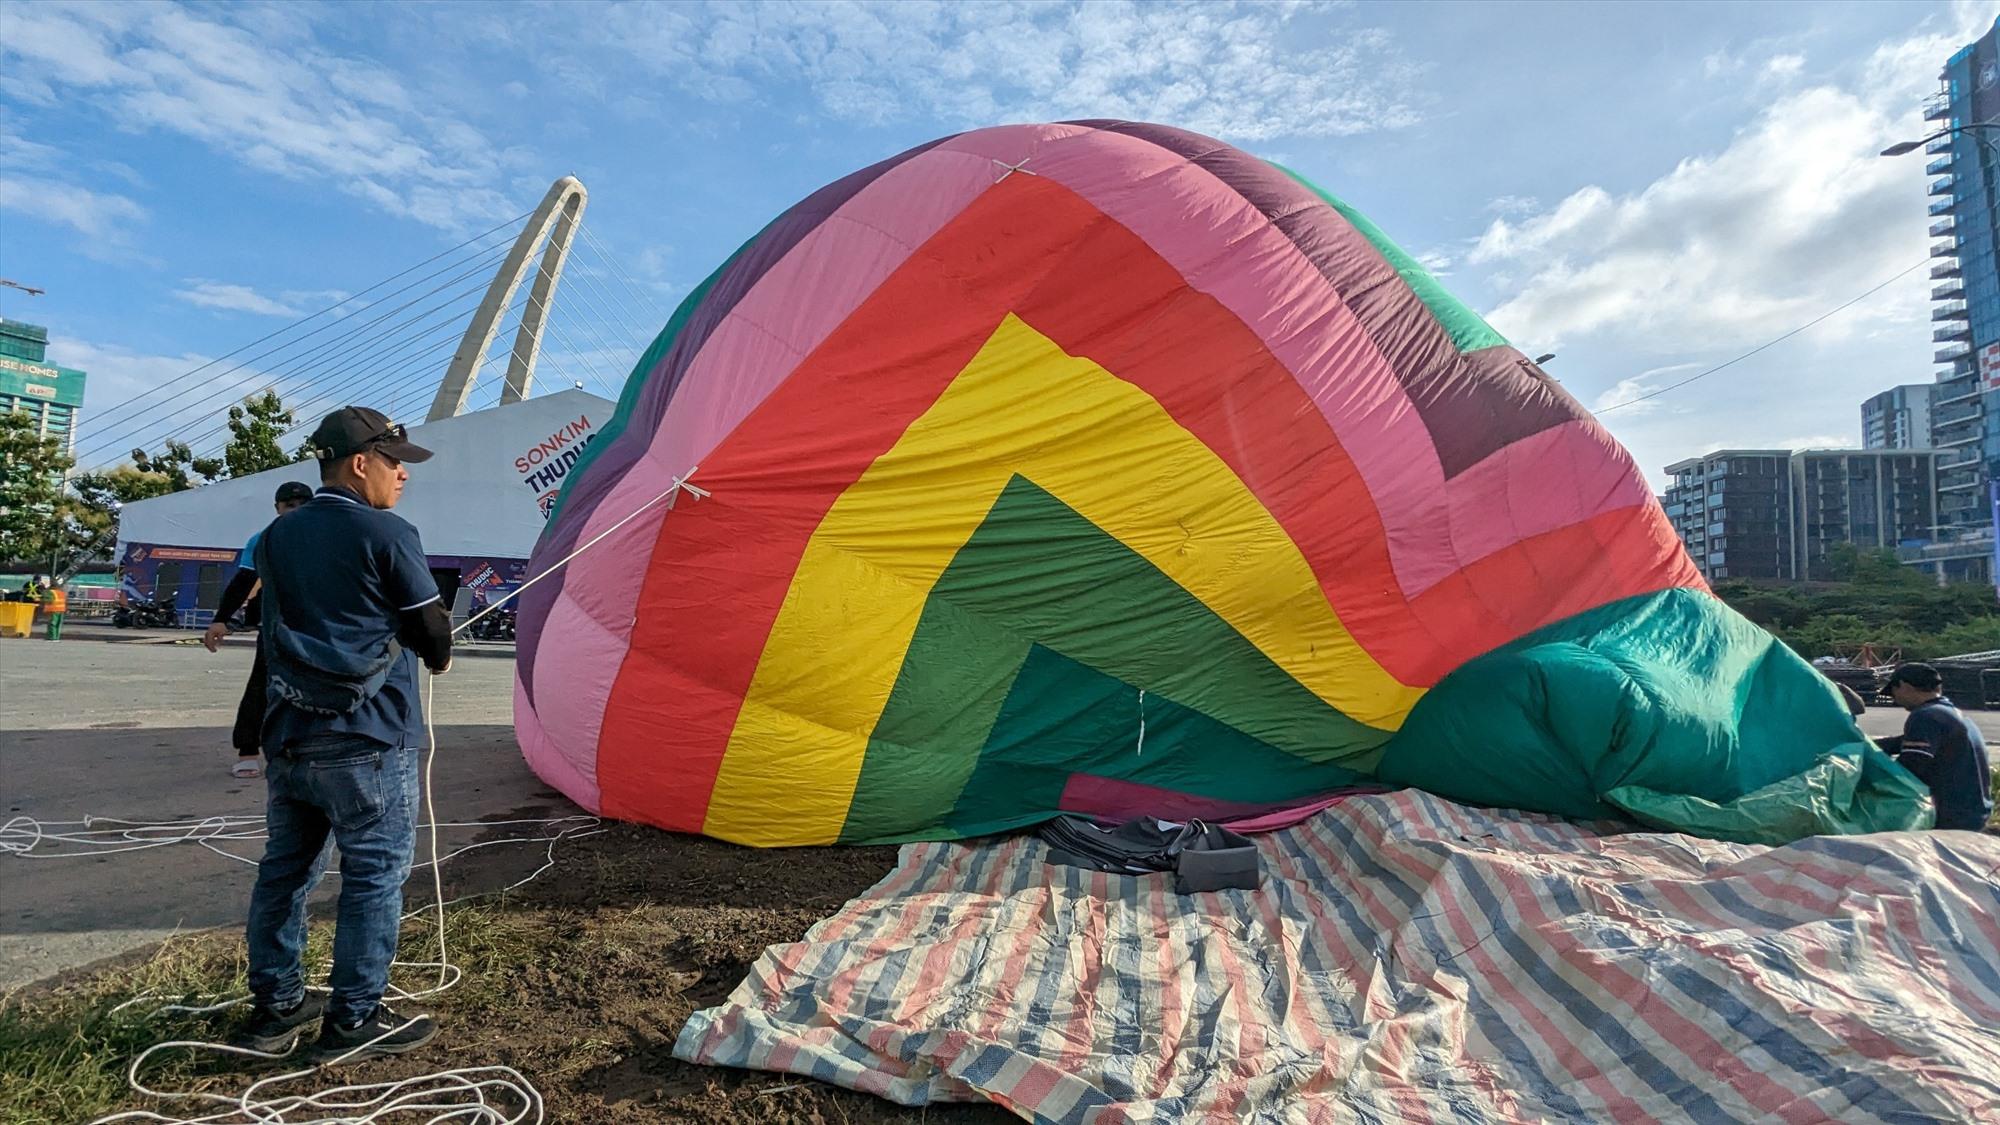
390,373
308,357
596,339
383,350
618,269
113,409
313,358
1761,347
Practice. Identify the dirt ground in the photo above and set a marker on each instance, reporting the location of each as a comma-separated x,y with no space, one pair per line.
663,925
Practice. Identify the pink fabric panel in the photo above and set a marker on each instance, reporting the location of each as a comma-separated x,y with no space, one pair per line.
576,779
762,340
1116,799
1171,204
574,664
756,348
1508,496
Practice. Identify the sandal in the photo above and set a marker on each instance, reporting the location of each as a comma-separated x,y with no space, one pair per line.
246,768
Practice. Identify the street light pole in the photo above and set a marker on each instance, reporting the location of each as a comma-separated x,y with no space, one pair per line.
1902,147
28,289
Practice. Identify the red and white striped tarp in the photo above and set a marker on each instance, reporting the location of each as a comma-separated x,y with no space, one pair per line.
1408,959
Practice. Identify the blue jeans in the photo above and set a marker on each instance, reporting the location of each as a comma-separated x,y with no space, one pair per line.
365,797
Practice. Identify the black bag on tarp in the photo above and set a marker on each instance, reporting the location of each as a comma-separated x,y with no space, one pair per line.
1202,856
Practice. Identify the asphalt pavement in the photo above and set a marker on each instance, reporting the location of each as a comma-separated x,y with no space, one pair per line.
110,723
132,726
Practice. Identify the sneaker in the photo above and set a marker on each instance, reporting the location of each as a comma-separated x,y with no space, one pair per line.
382,1033
273,1032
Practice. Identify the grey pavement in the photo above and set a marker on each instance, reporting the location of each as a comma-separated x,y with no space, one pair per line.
140,731
134,726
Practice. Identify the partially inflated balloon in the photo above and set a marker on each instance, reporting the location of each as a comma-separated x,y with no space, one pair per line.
1103,467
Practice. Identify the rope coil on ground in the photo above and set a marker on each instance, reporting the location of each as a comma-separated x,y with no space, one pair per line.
479,1095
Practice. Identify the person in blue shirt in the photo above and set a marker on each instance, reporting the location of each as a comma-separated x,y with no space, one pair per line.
349,610
246,735
1942,748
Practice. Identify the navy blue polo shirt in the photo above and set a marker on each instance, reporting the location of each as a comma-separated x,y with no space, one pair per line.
1947,752
345,573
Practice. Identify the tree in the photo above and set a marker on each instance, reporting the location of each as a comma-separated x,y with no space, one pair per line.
179,465
92,507
254,430
31,476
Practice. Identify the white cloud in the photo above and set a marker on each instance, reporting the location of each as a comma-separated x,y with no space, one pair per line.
1634,390
100,216
36,180
1817,441
1514,205
1795,215
1436,262
138,399
1784,66
264,97
233,298
1248,72
106,429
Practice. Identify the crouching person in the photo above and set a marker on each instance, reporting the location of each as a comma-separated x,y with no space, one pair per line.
1942,747
349,608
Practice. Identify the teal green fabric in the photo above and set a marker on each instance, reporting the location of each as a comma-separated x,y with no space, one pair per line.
1465,327
980,708
1668,708
1062,718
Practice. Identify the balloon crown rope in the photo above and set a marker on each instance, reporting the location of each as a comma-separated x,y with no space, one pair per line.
486,1095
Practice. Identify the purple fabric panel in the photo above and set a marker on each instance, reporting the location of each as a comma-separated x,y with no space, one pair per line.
660,383
1463,413
1481,402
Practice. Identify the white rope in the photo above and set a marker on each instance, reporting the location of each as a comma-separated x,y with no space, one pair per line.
679,485
479,1095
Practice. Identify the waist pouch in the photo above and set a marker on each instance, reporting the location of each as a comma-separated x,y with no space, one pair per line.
310,674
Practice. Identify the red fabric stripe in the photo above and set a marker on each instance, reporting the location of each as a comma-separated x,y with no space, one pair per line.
719,569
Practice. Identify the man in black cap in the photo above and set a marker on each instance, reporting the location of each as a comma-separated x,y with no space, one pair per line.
241,594
1941,747
349,606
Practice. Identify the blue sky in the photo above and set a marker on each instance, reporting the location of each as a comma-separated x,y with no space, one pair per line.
1644,189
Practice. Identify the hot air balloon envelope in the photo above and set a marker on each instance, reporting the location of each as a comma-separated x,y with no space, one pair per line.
1103,467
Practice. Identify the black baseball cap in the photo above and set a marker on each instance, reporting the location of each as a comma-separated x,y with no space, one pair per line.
1923,677
293,490
353,429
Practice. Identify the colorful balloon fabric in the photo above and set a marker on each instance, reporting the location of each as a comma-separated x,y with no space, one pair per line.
1103,467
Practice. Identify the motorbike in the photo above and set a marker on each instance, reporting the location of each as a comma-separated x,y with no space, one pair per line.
495,626
154,614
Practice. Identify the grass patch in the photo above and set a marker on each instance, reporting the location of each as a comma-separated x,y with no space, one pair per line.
65,1049
585,1002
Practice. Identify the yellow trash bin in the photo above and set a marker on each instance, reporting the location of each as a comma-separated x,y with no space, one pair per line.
17,619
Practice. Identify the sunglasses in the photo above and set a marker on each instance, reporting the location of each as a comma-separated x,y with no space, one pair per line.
396,431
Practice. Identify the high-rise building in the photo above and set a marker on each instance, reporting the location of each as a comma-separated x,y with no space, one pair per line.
1873,499
1732,509
1898,418
51,394
1773,513
1966,289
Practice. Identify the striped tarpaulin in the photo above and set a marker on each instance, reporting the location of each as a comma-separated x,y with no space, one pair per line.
1408,959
